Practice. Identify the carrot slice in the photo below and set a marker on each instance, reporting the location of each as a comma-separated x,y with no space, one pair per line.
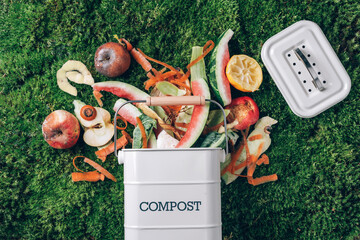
255,137
98,97
100,169
104,152
143,133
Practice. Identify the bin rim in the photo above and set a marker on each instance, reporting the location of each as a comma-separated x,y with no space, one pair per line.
169,149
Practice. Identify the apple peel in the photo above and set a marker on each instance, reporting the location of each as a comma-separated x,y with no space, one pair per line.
74,71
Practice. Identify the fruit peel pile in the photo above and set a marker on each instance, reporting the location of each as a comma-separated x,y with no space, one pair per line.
168,126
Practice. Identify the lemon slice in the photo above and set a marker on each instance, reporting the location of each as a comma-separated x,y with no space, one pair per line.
244,73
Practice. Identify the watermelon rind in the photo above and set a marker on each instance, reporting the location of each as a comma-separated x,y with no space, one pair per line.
220,85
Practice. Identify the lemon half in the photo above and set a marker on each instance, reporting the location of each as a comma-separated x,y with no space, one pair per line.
244,73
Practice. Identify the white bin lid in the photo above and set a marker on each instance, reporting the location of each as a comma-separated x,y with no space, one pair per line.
306,69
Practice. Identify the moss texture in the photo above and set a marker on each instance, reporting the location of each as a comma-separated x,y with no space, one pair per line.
317,160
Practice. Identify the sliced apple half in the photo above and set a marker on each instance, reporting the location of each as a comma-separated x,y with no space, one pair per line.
99,135
100,130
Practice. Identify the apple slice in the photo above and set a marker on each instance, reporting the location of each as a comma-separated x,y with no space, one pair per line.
99,136
100,130
76,68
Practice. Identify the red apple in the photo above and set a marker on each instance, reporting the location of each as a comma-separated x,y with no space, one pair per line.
61,129
112,59
243,113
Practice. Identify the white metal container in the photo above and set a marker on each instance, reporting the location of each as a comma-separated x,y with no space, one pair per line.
172,193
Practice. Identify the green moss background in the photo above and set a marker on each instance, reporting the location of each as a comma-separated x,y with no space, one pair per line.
317,159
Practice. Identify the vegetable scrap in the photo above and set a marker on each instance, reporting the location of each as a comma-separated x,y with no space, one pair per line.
93,176
120,143
74,71
248,153
98,97
143,133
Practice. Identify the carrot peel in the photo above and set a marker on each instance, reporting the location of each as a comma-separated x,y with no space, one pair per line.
143,133
104,152
100,169
98,97
124,121
255,137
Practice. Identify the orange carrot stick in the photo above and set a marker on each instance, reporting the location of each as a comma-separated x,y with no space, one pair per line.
255,137
100,169
98,97
104,152
143,133
139,58
93,176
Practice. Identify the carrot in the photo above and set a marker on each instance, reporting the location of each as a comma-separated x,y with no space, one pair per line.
100,169
93,176
124,42
125,122
143,133
88,112
98,97
139,58
263,179
255,137
102,153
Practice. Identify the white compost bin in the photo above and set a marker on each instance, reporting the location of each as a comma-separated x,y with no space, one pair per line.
172,194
